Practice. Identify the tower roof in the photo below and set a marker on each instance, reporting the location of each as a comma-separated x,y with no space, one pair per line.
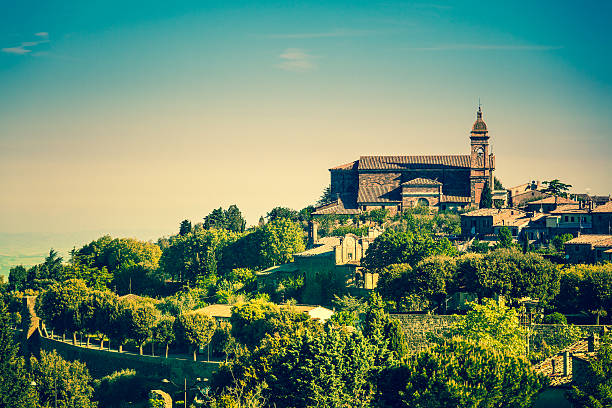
479,125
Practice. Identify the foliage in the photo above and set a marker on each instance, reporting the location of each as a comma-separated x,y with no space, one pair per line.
543,346
194,329
510,273
504,238
97,309
196,254
185,227
61,305
486,198
329,368
183,301
494,324
14,382
138,321
342,230
326,196
281,238
18,276
282,213
460,373
56,378
230,219
597,391
378,216
559,240
586,288
122,387
163,332
554,318
396,247
556,188
497,184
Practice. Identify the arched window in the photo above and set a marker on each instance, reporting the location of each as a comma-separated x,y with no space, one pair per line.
422,202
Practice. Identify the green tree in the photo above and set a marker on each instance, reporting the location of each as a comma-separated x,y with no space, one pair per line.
559,240
460,373
18,277
60,306
486,198
68,383
326,196
280,239
495,324
497,184
234,220
596,290
15,388
185,227
216,219
282,212
397,247
194,330
97,310
140,317
163,331
596,392
556,188
504,238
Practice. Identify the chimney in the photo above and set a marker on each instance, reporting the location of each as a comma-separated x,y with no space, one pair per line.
566,363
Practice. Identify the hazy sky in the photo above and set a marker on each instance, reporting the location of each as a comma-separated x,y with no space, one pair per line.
135,115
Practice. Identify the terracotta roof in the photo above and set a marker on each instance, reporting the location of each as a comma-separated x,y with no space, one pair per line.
289,267
487,212
346,166
551,200
570,209
454,199
420,181
403,162
604,242
335,207
605,208
589,239
378,194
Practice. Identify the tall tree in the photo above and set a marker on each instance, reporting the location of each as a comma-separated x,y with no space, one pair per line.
326,196
194,330
486,198
15,387
556,188
18,277
60,306
281,238
61,383
216,219
185,227
53,265
282,212
234,220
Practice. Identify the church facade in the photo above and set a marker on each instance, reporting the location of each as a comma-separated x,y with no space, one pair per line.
399,182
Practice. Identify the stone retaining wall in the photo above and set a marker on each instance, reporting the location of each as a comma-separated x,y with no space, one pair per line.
104,362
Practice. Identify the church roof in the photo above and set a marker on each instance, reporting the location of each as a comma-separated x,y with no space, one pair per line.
403,162
420,181
346,166
378,194
454,199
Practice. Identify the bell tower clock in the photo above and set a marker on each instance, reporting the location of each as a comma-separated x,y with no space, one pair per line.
481,160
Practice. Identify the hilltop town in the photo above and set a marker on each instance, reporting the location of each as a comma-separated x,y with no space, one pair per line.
408,274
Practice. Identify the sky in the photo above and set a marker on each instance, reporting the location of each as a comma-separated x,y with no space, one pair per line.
132,116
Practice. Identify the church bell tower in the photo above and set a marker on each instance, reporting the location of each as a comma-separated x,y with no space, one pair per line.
481,160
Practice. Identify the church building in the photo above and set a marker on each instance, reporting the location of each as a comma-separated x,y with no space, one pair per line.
399,182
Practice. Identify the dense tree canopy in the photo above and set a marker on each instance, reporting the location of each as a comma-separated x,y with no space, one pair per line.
396,247
597,391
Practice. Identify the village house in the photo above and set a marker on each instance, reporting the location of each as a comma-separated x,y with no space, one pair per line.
331,266
488,221
589,248
548,204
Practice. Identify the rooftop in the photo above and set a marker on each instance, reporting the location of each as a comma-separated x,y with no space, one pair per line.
217,310
605,208
420,181
551,200
589,239
403,162
488,212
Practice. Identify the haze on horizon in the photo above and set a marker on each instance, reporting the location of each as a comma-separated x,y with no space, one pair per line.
132,116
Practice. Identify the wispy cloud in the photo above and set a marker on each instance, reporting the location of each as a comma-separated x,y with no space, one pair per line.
26,47
297,60
323,34
487,47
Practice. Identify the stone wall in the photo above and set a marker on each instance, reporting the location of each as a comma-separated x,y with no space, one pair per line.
104,362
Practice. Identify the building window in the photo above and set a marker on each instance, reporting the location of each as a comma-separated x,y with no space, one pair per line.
566,218
572,219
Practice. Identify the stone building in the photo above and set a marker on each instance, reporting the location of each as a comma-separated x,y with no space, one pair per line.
399,182
331,267
589,248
